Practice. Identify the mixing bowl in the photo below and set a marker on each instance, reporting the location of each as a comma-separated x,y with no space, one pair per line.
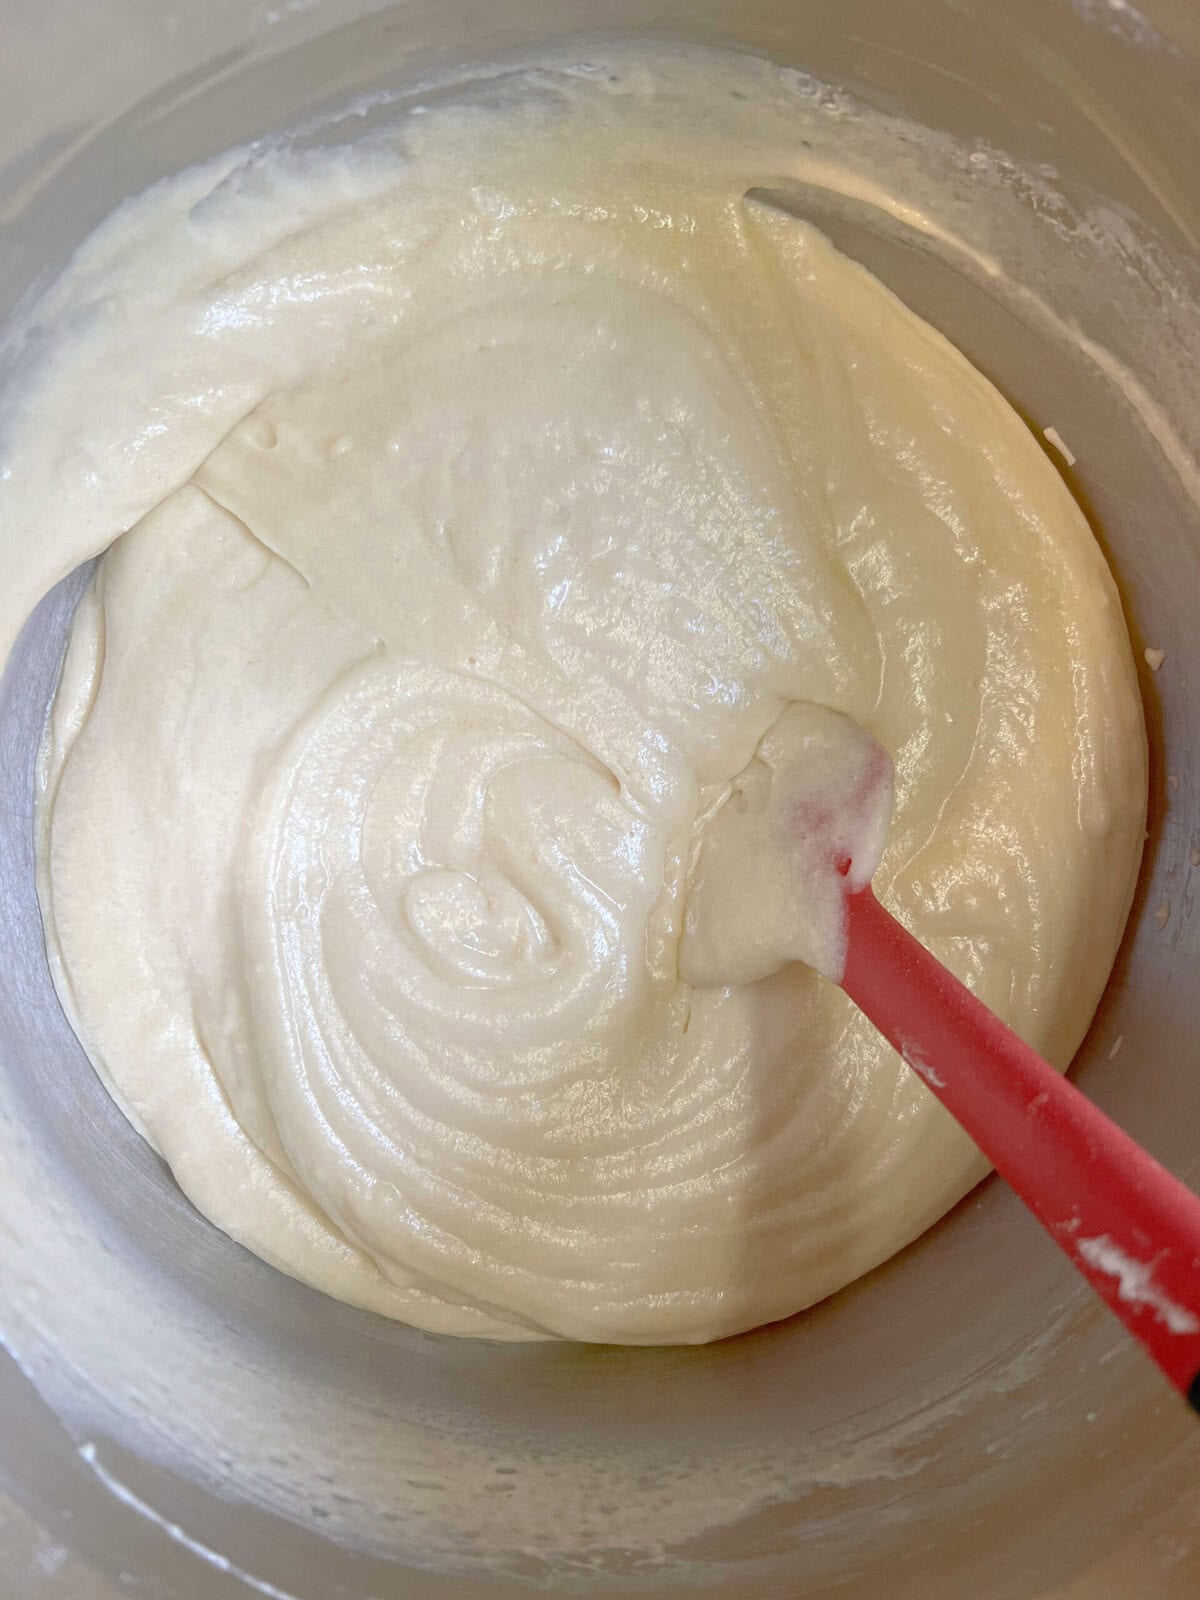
964,1422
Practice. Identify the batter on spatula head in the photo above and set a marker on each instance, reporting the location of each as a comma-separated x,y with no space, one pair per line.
803,824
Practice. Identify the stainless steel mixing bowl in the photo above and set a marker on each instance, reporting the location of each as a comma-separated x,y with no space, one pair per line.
964,1422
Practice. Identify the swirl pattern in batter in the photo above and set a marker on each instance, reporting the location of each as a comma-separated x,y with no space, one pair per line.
491,491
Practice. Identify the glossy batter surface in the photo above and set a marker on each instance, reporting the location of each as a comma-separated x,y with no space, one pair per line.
495,489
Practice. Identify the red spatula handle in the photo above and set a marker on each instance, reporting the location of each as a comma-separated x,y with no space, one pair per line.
1130,1227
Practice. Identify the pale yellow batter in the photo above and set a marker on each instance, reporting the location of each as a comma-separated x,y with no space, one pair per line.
493,488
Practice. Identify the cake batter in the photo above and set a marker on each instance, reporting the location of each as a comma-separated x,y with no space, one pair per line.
496,497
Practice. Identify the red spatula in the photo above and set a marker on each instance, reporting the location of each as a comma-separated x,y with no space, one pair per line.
1130,1227
783,874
